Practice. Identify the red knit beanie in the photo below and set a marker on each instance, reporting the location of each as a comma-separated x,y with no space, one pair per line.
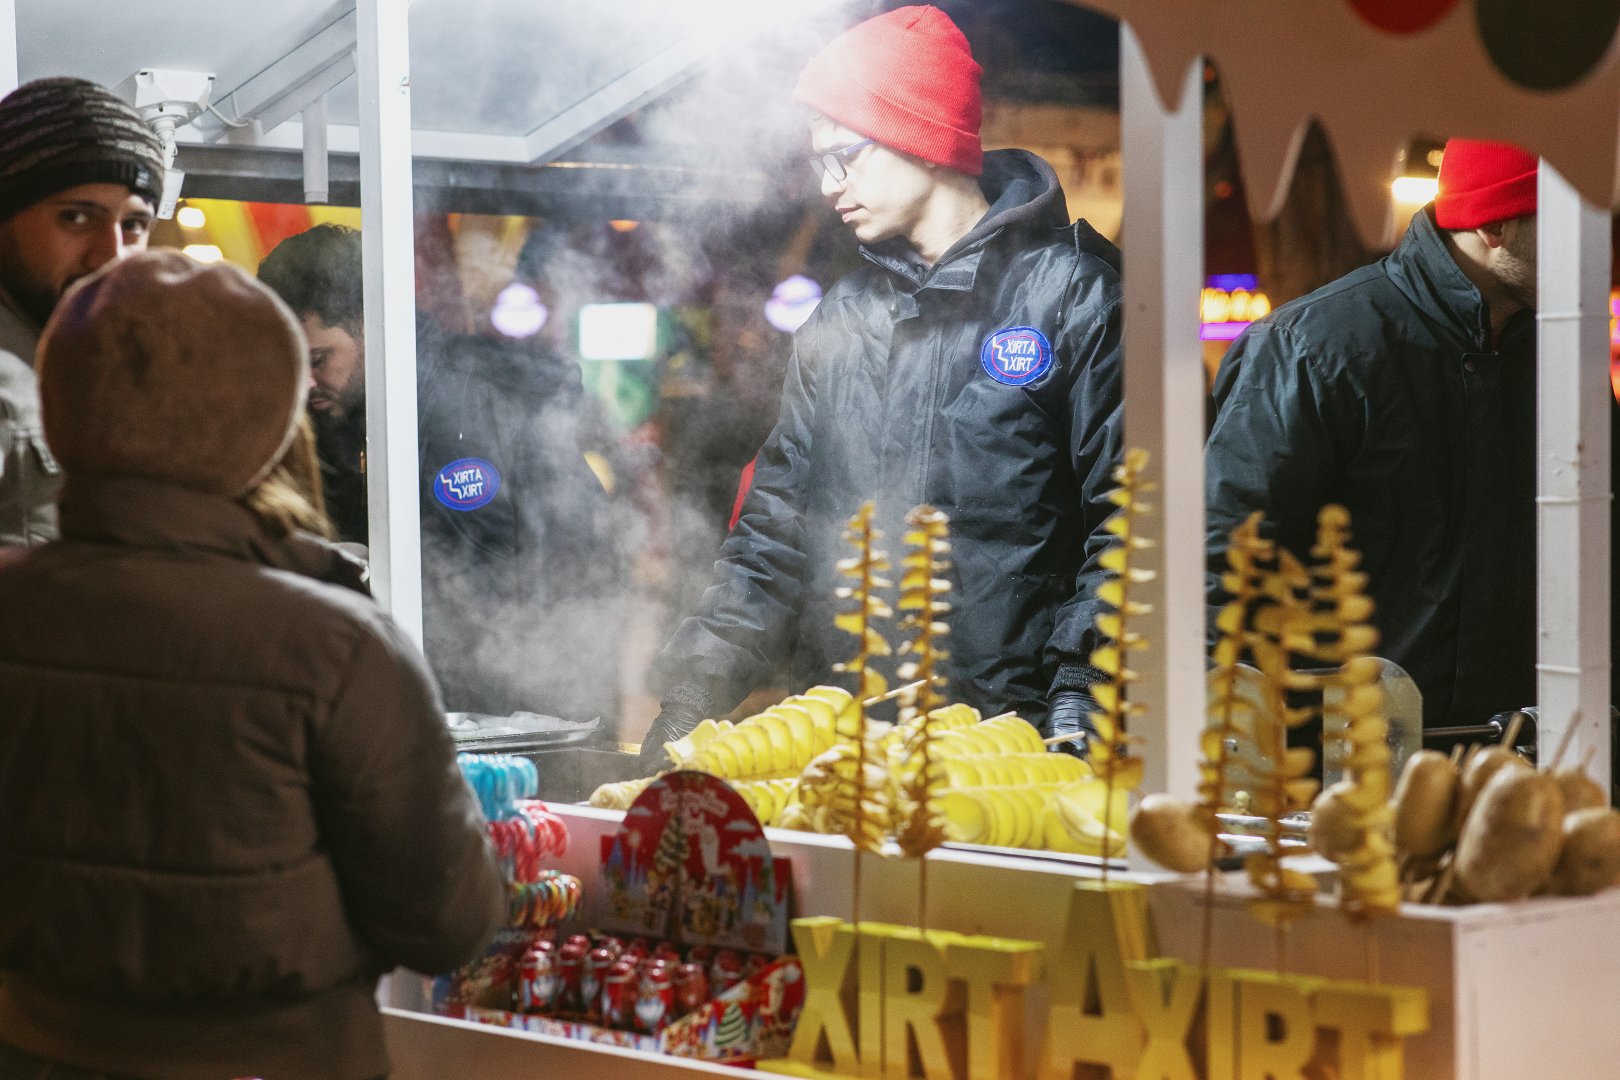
906,79
1482,182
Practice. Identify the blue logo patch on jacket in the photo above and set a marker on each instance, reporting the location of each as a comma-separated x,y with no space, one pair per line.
466,483
1016,356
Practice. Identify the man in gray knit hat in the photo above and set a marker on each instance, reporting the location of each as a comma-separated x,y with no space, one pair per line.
80,173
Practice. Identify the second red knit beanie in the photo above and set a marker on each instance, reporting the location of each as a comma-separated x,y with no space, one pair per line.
1482,182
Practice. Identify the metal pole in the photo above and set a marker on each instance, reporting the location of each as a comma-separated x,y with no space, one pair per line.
1163,233
316,173
1574,400
388,245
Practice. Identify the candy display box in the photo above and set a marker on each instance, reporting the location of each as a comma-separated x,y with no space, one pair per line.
753,1019
687,920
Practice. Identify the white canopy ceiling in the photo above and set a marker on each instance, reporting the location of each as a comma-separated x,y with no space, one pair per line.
492,80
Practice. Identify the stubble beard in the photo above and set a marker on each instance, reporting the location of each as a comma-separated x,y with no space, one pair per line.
1516,268
36,299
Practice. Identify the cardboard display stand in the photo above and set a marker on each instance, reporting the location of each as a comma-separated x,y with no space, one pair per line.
687,867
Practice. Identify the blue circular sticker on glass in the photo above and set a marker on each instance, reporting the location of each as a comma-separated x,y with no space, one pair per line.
1016,356
466,483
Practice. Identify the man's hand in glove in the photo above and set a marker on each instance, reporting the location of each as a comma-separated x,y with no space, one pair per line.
673,723
1070,714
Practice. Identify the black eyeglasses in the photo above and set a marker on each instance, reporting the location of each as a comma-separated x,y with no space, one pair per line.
833,164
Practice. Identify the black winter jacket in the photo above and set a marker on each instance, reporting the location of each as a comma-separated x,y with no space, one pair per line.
520,577
1384,392
521,568
987,385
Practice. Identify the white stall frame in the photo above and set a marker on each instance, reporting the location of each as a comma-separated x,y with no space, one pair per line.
389,255
1495,1016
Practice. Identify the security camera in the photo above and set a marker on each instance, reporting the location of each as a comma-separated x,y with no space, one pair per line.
168,100
165,94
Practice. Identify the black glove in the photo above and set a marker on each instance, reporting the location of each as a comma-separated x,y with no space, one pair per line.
671,724
1070,714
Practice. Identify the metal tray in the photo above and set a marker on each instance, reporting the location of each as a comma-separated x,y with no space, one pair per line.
518,733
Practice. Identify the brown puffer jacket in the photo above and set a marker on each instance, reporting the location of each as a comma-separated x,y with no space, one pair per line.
229,802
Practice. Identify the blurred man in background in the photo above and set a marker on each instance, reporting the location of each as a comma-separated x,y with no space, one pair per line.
317,273
1406,392
80,173
520,574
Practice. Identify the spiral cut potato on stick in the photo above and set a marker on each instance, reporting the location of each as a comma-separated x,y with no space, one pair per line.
1110,749
997,736
618,795
1233,713
852,790
1352,821
770,800
1183,837
1283,784
847,793
916,769
919,824
923,587
1003,789
918,820
865,569
775,744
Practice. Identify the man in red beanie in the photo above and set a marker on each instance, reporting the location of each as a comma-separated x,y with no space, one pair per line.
1406,391
972,364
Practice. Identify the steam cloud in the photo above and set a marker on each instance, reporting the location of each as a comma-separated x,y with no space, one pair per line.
734,209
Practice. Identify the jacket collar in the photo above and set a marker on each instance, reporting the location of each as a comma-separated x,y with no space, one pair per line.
141,513
18,333
1023,192
1423,269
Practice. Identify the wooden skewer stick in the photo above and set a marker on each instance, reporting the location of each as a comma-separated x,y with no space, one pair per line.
1442,884
1412,890
1056,739
896,692
1511,735
1563,743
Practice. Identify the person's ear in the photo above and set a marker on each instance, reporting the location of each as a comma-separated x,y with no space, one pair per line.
1492,234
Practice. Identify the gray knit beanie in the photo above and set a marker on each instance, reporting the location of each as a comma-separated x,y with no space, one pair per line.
59,133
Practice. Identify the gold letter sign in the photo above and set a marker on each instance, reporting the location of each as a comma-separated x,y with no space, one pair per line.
894,1003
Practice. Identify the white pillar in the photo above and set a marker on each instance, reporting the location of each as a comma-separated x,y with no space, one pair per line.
1572,488
1163,233
390,297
